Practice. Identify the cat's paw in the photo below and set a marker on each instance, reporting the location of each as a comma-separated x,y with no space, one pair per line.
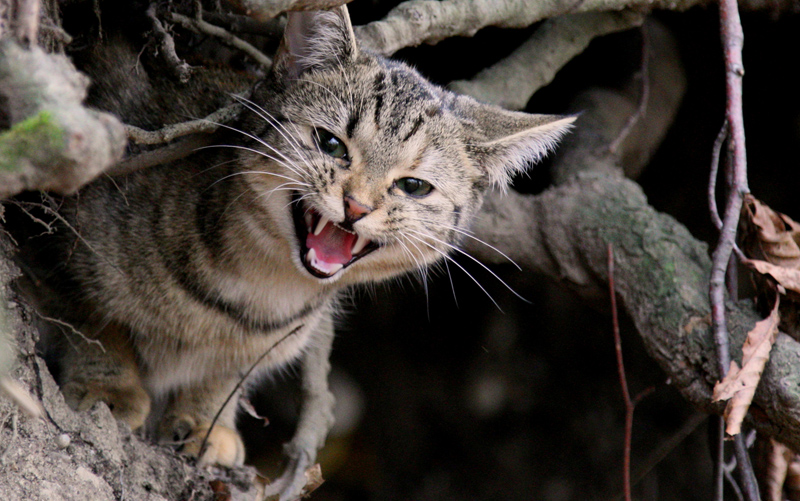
129,403
223,447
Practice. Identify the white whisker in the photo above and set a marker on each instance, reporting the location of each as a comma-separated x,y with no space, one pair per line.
471,235
257,152
451,246
447,257
267,117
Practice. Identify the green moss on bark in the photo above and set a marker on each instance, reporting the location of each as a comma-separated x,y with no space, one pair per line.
28,139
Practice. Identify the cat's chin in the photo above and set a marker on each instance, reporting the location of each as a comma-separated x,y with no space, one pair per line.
326,248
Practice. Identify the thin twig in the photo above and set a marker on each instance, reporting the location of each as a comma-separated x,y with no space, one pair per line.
241,382
712,179
272,28
732,37
169,153
21,398
228,38
179,68
665,447
747,477
719,463
166,134
630,403
69,326
644,95
727,470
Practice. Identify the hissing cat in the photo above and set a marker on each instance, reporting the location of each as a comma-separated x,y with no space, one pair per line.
349,169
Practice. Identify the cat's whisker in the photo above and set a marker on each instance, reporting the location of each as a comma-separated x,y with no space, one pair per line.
288,161
270,119
471,235
291,167
421,268
251,136
449,258
452,285
281,187
456,249
257,152
298,200
220,164
242,173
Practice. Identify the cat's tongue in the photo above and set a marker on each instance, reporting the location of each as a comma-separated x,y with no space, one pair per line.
330,249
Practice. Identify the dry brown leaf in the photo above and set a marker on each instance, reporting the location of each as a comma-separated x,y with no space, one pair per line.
777,458
248,407
313,479
792,484
739,385
787,277
770,235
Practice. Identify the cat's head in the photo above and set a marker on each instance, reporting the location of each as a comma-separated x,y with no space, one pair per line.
367,169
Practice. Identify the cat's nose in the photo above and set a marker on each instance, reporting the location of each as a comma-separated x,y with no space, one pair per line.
354,210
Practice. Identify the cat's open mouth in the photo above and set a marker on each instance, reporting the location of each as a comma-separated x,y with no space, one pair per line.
325,246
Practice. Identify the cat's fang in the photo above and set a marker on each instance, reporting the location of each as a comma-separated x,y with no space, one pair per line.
320,225
309,219
359,245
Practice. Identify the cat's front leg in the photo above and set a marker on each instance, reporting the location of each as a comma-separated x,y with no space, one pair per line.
104,369
316,416
189,417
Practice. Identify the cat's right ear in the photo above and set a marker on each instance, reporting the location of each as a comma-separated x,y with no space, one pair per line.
315,39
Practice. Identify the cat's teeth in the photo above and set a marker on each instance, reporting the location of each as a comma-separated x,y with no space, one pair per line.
359,245
309,219
328,268
320,225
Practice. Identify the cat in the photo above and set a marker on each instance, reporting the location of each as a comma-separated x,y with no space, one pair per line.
346,168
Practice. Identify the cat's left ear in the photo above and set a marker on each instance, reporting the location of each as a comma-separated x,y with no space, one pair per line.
315,39
506,142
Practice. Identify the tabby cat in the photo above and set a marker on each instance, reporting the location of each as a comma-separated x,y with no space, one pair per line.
347,168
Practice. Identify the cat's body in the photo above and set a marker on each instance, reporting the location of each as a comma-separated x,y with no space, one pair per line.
346,169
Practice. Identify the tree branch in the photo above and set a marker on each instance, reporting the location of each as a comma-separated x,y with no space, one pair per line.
202,125
662,271
415,22
511,82
55,143
200,26
425,21
267,9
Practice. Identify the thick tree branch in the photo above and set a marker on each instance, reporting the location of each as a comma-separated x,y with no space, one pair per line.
430,21
662,278
511,82
425,21
54,143
662,271
267,9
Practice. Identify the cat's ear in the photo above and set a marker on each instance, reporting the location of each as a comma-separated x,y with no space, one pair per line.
504,142
315,39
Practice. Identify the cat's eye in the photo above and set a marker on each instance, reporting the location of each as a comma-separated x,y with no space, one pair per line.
414,187
331,144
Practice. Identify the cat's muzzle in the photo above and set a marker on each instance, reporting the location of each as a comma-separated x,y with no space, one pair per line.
326,247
